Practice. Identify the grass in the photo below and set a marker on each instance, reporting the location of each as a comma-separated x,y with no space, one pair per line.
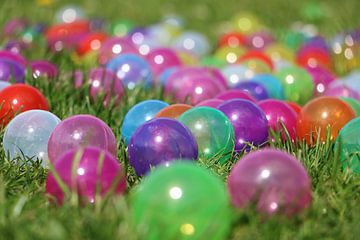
24,210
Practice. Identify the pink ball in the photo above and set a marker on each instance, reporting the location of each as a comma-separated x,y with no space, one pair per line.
96,172
321,77
342,91
115,46
233,94
214,103
161,59
273,180
104,81
277,111
80,131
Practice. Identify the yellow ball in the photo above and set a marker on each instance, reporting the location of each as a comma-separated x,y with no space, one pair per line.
278,51
246,23
229,54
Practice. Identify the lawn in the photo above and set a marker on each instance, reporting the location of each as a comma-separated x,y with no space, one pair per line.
25,212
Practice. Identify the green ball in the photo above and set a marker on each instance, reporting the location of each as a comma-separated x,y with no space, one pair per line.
212,61
354,104
181,201
213,132
297,83
121,27
348,145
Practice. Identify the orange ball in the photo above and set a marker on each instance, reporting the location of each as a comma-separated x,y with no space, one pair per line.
320,114
173,111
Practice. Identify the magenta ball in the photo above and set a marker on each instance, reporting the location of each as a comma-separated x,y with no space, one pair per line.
273,180
235,94
80,131
160,141
322,78
161,59
43,68
103,82
249,121
342,91
277,111
214,103
115,46
90,178
255,89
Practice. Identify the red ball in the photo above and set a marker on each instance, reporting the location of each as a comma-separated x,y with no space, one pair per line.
92,42
20,98
257,55
232,39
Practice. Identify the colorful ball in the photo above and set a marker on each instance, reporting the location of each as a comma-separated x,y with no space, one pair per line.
193,42
20,98
161,59
173,111
89,172
354,104
321,115
159,142
234,94
348,144
256,90
273,180
272,85
115,46
214,103
249,121
181,194
139,114
80,131
42,68
28,133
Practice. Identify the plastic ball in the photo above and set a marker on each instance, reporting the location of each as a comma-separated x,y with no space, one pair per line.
90,173
11,70
164,76
181,194
121,27
348,145
4,85
132,70
322,78
214,103
28,134
235,94
212,61
173,111
139,114
80,131
232,39
256,90
193,42
104,82
259,40
278,112
213,132
273,180
20,98
115,46
321,115
246,23
229,55
278,52
91,42
297,84
342,91
159,142
249,121
236,73
161,59
354,104
296,107
69,14
352,81
42,68
272,85
256,57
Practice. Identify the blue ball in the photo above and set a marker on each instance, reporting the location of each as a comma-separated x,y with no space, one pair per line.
272,85
236,73
139,114
164,76
193,42
131,69
255,89
28,134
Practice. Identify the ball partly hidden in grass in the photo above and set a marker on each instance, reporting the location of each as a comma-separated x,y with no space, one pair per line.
89,172
28,135
275,181
182,201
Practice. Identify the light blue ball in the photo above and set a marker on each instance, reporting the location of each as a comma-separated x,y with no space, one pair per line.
164,76
353,81
28,134
236,73
193,42
131,69
139,114
4,84
272,85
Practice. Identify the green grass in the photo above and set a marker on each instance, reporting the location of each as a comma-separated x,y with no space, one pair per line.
24,210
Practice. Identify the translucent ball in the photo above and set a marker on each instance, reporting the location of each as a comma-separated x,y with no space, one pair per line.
138,115
257,90
193,42
348,143
42,68
89,172
273,180
229,55
161,59
173,203
132,70
272,85
69,14
28,134
235,94
80,131
213,132
115,46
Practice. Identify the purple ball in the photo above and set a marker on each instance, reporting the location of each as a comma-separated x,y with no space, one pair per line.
342,91
249,121
259,40
257,90
161,59
10,69
13,57
273,180
235,94
103,81
43,68
158,142
115,46
321,77
91,177
80,131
